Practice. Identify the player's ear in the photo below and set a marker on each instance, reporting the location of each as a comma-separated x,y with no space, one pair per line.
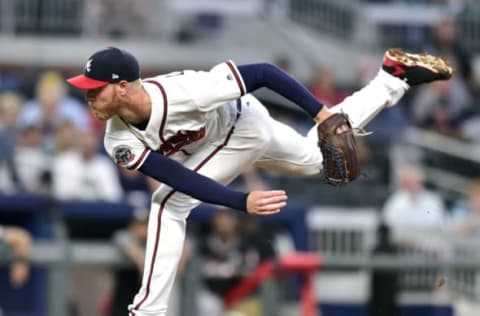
122,87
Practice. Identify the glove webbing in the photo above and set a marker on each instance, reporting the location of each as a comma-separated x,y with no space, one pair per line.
339,162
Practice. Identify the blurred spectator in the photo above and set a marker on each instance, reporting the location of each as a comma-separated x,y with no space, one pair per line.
33,164
441,106
85,174
52,105
257,244
412,206
19,240
389,125
11,80
127,280
445,43
384,284
137,187
442,122
323,87
109,291
131,241
284,63
10,105
200,26
220,263
254,180
470,128
66,137
117,18
226,256
466,213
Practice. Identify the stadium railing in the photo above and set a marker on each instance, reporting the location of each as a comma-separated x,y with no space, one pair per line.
344,238
51,17
384,25
59,257
337,18
367,24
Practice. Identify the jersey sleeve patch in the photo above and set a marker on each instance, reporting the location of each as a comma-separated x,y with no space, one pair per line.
125,156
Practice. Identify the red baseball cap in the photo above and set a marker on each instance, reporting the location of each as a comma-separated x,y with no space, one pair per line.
109,65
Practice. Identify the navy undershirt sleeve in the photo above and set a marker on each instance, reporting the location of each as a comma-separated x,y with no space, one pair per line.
184,180
260,75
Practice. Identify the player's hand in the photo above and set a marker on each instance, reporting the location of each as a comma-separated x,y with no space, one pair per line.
326,113
323,114
19,272
266,202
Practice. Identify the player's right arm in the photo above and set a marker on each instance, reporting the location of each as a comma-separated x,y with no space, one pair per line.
187,181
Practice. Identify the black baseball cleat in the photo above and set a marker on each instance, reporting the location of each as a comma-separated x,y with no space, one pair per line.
415,69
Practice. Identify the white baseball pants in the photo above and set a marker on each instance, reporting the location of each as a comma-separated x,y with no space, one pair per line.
256,139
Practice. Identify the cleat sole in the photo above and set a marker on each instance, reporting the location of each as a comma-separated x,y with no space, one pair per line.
424,60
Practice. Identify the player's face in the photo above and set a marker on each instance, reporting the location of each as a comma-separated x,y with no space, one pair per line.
102,102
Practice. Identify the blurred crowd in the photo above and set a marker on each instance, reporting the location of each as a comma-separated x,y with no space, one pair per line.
45,131
50,145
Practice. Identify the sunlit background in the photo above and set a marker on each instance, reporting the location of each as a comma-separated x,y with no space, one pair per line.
402,240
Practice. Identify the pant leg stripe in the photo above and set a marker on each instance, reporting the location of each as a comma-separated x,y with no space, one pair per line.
159,221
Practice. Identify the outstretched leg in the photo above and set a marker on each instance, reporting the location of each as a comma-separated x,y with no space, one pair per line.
289,152
400,70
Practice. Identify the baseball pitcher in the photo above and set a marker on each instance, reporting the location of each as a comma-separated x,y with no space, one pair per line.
195,131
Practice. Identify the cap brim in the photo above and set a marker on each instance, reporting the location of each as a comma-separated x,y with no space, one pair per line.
84,82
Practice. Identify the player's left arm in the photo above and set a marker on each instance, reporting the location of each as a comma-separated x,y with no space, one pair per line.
267,75
336,139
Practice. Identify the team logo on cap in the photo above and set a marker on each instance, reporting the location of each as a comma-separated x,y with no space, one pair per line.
123,155
88,65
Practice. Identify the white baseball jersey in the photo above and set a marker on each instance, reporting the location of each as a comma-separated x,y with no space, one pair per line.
188,108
